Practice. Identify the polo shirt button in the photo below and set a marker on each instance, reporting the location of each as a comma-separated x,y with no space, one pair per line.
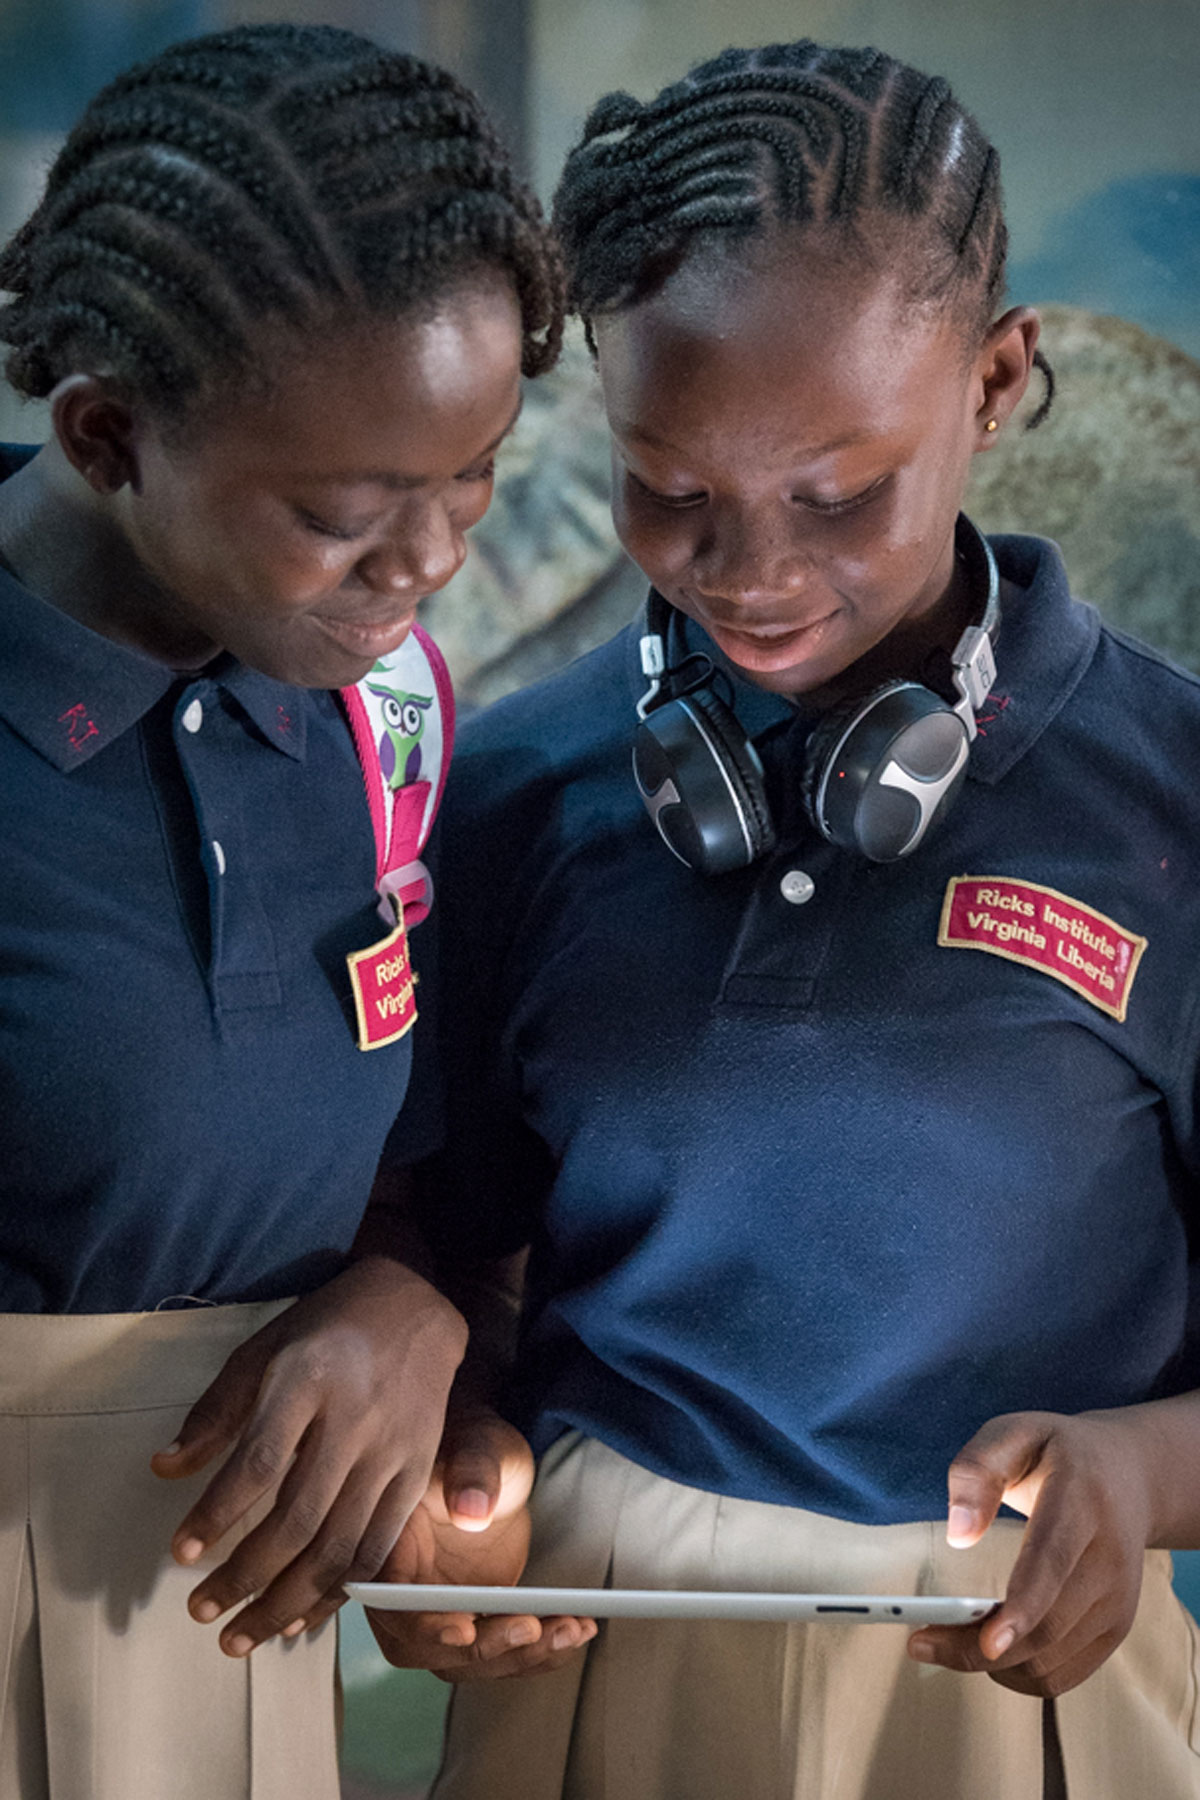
193,716
218,857
797,886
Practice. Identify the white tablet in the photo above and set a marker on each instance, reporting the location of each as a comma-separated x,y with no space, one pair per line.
674,1603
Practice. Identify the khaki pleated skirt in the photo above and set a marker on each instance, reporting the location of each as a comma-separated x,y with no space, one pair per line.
110,1690
719,1711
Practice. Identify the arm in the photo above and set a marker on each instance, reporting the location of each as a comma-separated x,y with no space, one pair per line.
340,1401
1098,1489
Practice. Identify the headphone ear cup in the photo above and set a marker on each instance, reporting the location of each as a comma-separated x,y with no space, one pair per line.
881,770
702,783
740,762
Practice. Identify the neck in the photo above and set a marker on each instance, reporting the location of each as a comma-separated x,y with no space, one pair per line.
65,544
906,651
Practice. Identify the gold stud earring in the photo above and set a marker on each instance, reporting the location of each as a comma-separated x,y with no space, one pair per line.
992,425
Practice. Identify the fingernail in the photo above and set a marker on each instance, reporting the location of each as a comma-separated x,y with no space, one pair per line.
452,1637
563,1638
294,1629
960,1526
524,1632
1003,1642
189,1549
238,1646
919,1650
206,1611
472,1503
171,1449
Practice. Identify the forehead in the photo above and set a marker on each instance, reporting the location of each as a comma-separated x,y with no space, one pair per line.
412,393
781,342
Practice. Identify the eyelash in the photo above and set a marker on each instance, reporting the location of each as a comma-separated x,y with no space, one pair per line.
324,529
831,508
344,535
676,500
824,508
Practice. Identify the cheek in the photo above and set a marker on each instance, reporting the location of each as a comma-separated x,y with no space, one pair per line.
260,561
655,537
470,509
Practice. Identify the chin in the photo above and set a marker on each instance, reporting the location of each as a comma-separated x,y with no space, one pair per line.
317,666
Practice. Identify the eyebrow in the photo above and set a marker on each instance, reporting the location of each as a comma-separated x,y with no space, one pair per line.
402,483
638,435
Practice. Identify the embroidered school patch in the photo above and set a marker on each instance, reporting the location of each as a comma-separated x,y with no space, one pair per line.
1036,925
384,989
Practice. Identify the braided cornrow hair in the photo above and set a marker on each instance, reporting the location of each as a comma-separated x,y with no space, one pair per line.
276,170
786,135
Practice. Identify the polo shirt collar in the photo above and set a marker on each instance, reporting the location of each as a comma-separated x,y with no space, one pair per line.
275,707
68,691
1044,646
63,688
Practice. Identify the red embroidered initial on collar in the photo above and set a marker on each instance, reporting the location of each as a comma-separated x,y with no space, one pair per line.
79,727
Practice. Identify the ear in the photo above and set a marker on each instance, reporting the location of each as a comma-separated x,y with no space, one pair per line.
1002,371
96,429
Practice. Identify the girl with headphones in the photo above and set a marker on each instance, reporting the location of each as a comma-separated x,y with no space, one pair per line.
853,1144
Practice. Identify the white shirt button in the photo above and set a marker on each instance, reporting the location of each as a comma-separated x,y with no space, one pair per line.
797,886
193,716
218,857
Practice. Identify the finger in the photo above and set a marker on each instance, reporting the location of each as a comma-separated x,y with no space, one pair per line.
998,1457
496,1635
261,1457
1063,1664
215,1420
1056,1540
1080,1613
950,1647
301,1506
317,1615
550,1651
471,1484
420,1640
350,1545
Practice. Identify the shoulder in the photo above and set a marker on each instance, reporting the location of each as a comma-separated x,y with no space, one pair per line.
1116,669
1112,726
548,733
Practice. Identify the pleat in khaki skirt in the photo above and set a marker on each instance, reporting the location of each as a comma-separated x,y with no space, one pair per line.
110,1690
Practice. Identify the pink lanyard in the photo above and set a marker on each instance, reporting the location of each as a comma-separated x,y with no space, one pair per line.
402,720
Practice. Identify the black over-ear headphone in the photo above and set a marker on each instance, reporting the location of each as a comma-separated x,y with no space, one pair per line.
879,771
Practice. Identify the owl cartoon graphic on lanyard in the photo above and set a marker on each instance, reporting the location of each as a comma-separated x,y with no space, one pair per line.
403,726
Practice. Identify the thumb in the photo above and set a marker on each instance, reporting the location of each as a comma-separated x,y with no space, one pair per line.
471,1475
996,1460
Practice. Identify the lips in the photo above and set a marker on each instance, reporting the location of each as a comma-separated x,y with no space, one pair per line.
768,648
371,638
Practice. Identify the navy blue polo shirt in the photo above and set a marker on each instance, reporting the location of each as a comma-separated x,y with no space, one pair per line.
186,862
812,1194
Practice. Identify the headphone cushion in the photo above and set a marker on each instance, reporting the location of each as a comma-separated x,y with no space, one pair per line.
880,770
740,763
701,782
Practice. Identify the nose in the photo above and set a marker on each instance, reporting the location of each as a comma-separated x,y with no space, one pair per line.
420,554
752,556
